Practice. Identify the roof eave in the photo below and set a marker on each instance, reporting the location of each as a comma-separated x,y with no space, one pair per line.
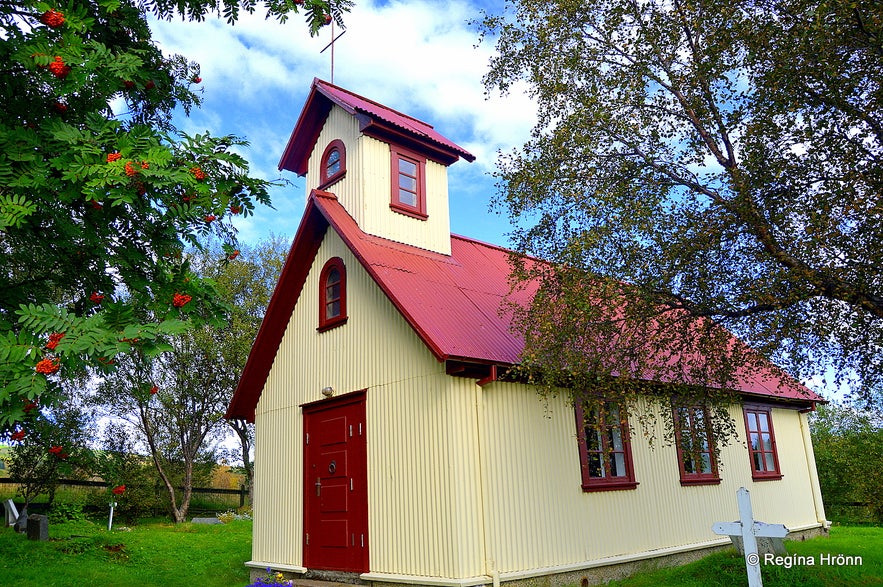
797,402
306,131
312,117
291,281
381,130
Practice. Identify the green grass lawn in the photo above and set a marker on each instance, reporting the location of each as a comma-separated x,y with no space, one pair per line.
727,569
160,553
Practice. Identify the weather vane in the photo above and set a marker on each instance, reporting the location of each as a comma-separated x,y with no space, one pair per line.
331,44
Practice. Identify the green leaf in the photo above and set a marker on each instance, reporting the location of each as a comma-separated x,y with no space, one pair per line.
14,209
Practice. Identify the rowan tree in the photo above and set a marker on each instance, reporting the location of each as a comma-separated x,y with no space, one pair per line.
697,165
100,193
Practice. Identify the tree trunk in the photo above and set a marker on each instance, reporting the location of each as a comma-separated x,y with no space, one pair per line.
241,429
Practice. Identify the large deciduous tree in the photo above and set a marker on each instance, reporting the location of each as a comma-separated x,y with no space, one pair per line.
170,403
99,193
176,400
246,283
695,165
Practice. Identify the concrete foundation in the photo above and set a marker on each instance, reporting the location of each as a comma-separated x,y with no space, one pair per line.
579,578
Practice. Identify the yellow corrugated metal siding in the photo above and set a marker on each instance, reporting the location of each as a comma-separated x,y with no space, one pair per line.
434,233
365,190
278,511
785,501
538,516
340,125
422,470
421,491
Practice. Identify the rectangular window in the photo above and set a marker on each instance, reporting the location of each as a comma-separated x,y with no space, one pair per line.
408,183
605,447
761,443
695,443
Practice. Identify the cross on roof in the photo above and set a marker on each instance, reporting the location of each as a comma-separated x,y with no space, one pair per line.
331,44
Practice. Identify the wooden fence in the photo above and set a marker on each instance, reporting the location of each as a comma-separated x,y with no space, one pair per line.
221,498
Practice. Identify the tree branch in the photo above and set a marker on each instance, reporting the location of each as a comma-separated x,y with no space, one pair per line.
730,159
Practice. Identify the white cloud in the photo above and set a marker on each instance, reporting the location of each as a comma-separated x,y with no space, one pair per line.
418,57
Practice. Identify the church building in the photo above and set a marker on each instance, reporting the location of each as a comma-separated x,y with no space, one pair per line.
390,451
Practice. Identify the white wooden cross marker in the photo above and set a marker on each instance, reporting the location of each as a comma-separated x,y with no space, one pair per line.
749,531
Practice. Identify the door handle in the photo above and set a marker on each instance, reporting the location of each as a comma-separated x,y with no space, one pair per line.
318,486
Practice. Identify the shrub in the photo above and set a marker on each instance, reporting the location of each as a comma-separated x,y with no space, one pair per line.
66,512
848,445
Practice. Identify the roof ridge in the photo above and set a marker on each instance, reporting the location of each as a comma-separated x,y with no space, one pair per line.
481,242
374,102
501,248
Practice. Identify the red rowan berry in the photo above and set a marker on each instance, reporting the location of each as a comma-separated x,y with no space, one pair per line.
52,18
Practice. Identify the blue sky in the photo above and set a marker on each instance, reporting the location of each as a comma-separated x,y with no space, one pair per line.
419,57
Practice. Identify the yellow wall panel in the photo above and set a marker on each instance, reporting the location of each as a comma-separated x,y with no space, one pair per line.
421,492
538,516
433,233
342,126
278,512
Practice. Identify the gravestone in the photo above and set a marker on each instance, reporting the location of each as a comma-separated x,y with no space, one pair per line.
205,521
38,527
11,512
21,523
765,545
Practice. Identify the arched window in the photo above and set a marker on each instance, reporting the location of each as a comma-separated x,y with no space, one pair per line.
332,295
333,165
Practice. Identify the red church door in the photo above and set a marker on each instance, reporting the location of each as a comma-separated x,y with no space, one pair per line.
336,484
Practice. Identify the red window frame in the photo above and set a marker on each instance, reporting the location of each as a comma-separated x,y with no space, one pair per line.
327,178
406,181
694,439
328,296
604,465
762,452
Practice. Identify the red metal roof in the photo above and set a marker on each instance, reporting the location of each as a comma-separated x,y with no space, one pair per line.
453,301
455,304
374,120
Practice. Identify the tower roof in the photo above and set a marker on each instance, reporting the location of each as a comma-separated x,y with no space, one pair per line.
375,120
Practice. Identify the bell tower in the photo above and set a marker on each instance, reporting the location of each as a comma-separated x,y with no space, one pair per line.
387,169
